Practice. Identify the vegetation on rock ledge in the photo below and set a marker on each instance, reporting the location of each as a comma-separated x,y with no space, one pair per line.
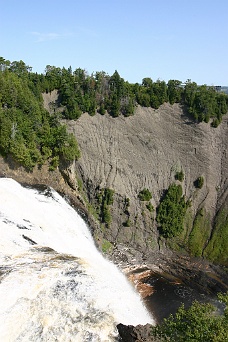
217,248
179,176
199,182
105,199
145,195
171,212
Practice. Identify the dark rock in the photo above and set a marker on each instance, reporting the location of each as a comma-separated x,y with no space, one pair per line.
140,333
29,240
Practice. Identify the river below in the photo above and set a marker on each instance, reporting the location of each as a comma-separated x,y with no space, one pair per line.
166,281
170,292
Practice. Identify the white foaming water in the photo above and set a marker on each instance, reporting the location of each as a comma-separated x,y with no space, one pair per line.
54,284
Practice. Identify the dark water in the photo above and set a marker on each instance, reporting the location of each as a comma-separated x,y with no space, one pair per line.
170,293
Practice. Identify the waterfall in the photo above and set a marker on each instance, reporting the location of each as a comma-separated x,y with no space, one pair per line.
54,283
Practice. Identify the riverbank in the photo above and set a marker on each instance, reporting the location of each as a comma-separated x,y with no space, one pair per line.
167,280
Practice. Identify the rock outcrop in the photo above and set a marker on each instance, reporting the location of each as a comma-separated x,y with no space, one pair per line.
140,333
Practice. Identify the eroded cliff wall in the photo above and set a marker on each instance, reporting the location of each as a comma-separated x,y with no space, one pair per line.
146,150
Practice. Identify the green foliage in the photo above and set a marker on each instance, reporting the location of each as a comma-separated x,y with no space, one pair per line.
215,122
80,92
174,91
127,202
100,92
105,199
205,102
108,196
127,106
179,176
69,148
101,110
171,212
199,182
27,132
145,195
127,223
54,163
180,242
80,184
151,94
150,207
92,210
106,246
126,206
198,323
106,215
200,233
217,248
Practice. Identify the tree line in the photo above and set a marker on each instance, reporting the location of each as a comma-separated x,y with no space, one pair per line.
32,136
99,92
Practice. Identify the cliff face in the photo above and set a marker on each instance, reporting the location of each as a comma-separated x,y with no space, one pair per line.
146,151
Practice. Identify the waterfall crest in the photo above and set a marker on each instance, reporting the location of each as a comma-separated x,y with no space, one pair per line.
54,283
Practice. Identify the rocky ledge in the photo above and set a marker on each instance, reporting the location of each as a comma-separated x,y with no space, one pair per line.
140,333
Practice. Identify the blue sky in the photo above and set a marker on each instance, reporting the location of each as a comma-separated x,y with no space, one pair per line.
161,39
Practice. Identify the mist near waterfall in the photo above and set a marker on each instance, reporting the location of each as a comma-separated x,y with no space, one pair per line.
54,283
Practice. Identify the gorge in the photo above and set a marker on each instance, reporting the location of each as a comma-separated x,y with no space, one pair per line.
136,161
139,244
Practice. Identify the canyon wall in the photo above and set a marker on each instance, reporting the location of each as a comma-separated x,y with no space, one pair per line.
147,150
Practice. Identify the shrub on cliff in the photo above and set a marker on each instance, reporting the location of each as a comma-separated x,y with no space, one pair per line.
179,176
145,195
171,212
199,182
105,199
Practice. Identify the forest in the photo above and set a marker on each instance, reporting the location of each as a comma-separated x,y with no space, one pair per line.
28,133
32,136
